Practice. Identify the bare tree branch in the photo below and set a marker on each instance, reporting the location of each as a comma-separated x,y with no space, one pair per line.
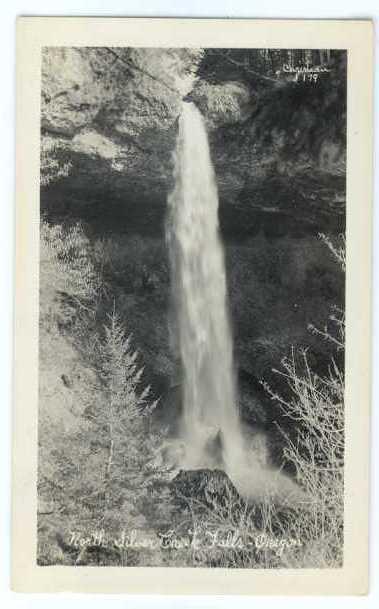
239,64
132,65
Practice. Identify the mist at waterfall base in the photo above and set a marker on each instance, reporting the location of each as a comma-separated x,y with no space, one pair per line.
211,434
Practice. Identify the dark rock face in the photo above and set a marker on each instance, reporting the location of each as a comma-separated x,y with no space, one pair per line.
203,485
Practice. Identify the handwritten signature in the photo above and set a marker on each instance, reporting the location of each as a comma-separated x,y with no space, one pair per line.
304,73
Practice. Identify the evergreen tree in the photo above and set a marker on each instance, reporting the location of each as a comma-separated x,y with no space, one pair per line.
124,422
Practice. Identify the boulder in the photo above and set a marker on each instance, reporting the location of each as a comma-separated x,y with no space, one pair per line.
203,485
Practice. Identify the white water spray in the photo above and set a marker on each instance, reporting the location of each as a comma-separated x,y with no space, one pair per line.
210,431
210,426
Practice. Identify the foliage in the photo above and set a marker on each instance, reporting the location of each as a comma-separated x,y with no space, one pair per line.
99,466
260,67
54,160
317,455
121,419
138,264
308,532
338,249
316,407
72,252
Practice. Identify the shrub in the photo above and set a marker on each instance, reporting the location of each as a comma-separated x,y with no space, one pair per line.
316,408
71,250
317,456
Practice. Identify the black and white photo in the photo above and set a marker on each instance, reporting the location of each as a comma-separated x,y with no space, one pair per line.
193,312
192,263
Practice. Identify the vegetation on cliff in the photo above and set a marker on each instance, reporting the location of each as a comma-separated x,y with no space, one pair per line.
101,465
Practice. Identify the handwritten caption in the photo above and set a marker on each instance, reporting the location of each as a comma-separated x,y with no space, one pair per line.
169,540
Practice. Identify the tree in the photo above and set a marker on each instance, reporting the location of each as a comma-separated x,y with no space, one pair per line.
123,422
315,405
99,451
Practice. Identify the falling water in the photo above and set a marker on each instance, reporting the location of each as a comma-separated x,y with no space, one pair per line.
211,432
210,426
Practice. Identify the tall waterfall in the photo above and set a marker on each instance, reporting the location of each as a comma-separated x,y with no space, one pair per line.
211,433
210,426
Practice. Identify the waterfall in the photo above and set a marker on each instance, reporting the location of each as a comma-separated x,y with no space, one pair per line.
211,433
210,427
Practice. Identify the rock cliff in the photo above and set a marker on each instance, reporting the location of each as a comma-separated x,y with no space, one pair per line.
108,128
109,122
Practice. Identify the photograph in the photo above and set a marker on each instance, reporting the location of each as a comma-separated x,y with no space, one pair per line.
192,359
191,307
